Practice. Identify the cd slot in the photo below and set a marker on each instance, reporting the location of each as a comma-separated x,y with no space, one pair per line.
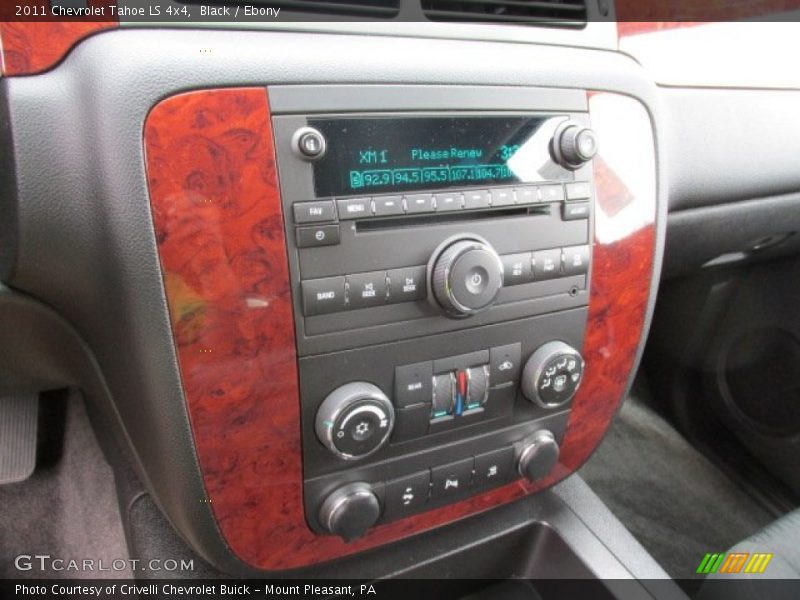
454,217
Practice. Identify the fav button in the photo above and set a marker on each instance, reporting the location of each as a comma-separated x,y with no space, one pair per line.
451,480
313,212
406,494
579,190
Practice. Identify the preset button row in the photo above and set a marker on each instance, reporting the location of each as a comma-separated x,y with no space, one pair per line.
540,265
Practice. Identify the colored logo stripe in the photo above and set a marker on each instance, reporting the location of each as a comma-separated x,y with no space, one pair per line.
758,563
710,563
734,562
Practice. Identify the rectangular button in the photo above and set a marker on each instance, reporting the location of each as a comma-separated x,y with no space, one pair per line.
502,197
460,362
517,268
494,467
406,495
419,203
411,423
451,480
504,364
552,193
322,296
313,212
387,206
366,289
527,195
574,211
580,190
477,199
449,201
354,208
576,260
413,384
546,264
321,235
406,285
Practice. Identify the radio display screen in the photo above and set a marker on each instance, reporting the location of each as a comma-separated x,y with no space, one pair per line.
394,154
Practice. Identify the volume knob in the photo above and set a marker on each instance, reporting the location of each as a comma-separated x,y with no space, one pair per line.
466,277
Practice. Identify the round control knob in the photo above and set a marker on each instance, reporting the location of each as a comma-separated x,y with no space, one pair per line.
538,455
309,143
552,375
574,144
466,276
349,511
355,420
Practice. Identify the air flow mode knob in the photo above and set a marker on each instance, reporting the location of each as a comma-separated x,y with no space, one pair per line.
574,144
552,375
466,276
355,420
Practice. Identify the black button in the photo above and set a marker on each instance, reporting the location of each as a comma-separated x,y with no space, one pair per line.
323,235
450,480
411,423
386,206
477,199
412,384
449,201
527,195
407,284
580,190
354,208
546,264
502,197
575,211
321,296
576,260
552,193
504,363
313,212
419,203
494,467
406,495
517,268
366,289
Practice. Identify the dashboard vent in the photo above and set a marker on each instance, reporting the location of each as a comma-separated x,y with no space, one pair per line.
559,13
371,9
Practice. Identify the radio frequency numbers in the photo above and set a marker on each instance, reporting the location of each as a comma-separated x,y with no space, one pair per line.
415,176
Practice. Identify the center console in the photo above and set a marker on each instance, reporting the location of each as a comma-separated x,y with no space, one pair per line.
441,264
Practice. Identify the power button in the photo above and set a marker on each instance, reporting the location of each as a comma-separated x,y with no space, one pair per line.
308,143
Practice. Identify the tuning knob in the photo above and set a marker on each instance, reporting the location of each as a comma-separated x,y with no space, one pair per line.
552,375
350,511
538,455
574,144
355,420
466,276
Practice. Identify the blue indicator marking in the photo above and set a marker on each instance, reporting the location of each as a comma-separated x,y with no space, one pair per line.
459,404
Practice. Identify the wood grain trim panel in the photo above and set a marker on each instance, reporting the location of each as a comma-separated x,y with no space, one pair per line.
217,215
37,44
